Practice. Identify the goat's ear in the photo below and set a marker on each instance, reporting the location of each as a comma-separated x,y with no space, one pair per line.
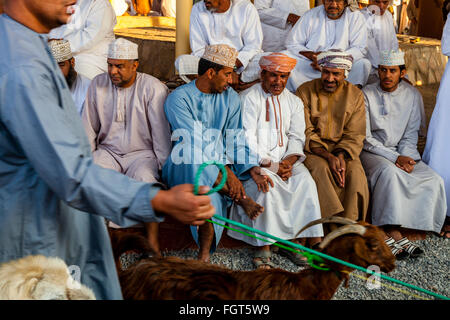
372,244
359,248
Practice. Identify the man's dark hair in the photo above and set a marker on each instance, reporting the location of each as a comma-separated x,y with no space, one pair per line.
402,67
72,76
204,65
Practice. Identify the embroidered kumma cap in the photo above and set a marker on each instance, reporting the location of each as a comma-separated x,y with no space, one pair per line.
392,58
221,54
60,50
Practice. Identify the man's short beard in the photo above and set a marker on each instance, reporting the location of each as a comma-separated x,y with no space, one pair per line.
338,15
71,77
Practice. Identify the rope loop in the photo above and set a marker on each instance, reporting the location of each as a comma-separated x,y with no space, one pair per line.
199,173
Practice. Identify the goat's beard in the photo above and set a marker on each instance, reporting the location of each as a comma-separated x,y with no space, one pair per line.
71,77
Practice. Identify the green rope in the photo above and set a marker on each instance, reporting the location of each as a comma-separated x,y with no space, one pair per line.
322,255
199,172
317,255
312,258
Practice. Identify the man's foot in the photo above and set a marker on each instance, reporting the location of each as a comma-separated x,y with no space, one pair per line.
152,230
445,233
203,257
251,208
261,259
206,238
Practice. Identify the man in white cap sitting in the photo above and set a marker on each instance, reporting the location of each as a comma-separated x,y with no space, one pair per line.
89,31
274,125
205,116
235,23
125,122
381,33
78,84
335,131
331,26
406,193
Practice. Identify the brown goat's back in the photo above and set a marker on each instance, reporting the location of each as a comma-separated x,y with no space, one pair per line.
174,278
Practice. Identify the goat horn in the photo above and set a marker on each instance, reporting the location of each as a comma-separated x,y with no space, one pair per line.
333,219
354,228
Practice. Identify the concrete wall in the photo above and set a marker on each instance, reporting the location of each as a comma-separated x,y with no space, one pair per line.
156,57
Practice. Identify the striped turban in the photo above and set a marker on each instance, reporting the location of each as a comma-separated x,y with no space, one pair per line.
277,62
335,59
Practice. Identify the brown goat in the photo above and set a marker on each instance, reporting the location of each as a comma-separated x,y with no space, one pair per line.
173,278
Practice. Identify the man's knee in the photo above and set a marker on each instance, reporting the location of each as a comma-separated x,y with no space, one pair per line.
317,166
105,160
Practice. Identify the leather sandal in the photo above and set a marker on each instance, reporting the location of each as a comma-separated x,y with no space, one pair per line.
264,262
396,249
409,247
295,257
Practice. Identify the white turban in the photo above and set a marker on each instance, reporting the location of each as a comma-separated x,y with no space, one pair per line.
187,64
392,58
336,59
60,50
123,49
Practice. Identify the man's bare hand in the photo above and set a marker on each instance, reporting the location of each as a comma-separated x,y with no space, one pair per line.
285,170
234,79
180,203
262,181
337,170
343,168
313,57
405,163
234,185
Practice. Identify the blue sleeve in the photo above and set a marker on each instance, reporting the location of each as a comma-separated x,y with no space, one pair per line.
39,116
238,151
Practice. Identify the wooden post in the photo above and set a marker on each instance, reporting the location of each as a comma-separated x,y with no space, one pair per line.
312,3
182,46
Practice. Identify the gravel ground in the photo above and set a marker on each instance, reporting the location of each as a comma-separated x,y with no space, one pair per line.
431,271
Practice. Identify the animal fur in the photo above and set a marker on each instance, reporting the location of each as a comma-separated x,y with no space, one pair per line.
174,278
40,278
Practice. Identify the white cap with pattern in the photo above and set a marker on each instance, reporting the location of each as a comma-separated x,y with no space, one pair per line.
60,50
123,49
392,58
221,54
